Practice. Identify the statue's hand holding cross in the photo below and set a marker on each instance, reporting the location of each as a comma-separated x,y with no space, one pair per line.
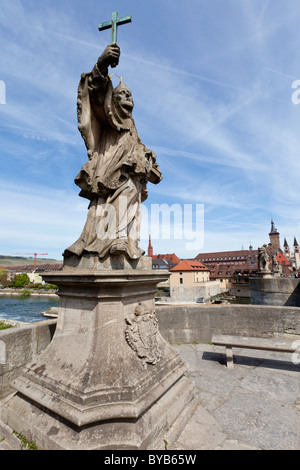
109,57
113,24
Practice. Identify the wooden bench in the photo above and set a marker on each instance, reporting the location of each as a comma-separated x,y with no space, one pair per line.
266,344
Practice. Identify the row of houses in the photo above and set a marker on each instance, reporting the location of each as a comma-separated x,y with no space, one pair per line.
34,273
218,272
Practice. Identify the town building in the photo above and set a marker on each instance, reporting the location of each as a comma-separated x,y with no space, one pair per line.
234,279
162,261
228,259
287,260
274,237
235,267
189,282
150,247
292,256
189,273
34,272
296,255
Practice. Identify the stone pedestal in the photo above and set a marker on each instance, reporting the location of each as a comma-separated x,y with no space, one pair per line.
283,291
107,380
265,274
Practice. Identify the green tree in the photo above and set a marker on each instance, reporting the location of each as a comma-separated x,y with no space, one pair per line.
4,281
21,280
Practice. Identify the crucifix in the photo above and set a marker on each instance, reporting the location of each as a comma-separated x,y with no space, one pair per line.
113,24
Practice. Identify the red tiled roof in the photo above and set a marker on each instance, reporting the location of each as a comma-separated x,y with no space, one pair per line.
227,254
169,257
190,265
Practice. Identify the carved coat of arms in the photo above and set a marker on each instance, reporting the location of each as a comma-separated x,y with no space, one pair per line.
142,333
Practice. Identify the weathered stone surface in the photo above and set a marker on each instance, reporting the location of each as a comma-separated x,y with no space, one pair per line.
92,262
192,293
187,324
247,408
280,387
195,433
258,421
19,346
275,291
90,388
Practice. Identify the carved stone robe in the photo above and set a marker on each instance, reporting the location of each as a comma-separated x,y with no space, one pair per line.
115,176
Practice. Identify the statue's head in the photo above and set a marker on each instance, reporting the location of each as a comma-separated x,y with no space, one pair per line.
122,96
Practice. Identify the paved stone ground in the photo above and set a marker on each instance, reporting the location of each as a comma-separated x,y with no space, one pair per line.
255,405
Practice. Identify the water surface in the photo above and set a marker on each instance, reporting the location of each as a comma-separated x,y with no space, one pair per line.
26,309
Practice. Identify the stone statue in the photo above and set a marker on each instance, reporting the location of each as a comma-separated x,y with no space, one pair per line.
115,177
263,259
275,266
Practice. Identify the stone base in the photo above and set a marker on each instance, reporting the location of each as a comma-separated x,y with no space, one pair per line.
107,380
275,291
265,274
91,261
163,421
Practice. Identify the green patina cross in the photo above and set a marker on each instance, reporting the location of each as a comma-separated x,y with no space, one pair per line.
113,24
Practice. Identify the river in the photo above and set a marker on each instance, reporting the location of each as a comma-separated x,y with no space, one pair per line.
26,309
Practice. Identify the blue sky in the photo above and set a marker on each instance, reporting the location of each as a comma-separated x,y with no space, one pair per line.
212,86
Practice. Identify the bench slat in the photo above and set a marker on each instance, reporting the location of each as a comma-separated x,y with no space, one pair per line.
267,344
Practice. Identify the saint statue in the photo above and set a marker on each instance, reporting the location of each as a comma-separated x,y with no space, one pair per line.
275,265
263,259
115,177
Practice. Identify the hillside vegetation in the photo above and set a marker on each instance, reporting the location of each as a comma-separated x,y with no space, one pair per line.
6,260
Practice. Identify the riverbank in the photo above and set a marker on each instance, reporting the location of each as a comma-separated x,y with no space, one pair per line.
5,324
21,292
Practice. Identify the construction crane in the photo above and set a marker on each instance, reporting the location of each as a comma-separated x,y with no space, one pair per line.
35,255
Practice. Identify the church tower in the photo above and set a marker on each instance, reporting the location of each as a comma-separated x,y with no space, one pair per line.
286,249
296,255
274,237
150,247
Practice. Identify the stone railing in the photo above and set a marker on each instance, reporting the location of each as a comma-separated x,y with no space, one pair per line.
19,346
194,323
